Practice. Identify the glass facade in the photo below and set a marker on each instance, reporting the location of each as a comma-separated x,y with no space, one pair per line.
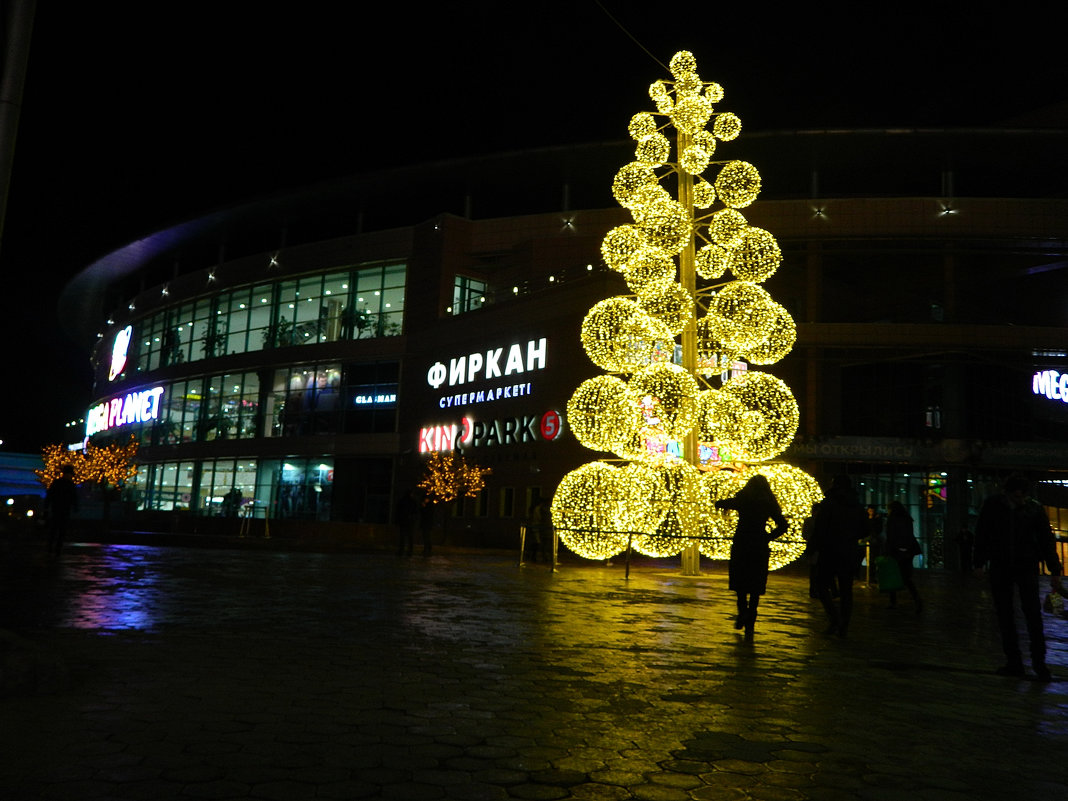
293,401
299,400
361,302
295,488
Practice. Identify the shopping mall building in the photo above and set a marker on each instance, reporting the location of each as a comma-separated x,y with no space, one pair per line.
308,350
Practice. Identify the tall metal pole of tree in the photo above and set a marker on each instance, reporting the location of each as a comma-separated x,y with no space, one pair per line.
687,420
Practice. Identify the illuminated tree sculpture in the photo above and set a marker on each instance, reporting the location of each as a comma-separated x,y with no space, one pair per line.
687,429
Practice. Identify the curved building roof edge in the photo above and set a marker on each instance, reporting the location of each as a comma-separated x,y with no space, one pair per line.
82,298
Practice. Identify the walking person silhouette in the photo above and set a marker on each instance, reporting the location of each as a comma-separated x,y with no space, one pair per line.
750,549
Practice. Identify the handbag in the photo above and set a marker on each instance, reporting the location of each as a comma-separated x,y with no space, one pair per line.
1054,604
888,574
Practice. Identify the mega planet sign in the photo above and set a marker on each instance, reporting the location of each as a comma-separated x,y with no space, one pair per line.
136,407
479,433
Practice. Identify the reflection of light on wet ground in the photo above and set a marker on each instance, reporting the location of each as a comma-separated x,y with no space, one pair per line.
113,589
446,600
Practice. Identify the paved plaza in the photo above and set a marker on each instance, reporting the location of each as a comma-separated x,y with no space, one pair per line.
181,673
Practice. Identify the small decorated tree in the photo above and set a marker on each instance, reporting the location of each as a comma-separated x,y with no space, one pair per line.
108,466
54,458
448,477
112,465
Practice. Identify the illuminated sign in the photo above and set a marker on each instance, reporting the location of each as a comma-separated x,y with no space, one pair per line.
1052,384
487,433
487,365
136,407
485,395
381,399
552,423
118,352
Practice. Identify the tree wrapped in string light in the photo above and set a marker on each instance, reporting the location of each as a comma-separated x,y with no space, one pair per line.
685,420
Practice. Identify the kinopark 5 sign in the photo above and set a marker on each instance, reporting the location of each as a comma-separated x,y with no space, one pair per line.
468,432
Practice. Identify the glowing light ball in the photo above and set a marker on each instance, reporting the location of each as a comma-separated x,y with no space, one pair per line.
726,127
782,334
756,257
738,184
691,113
653,150
741,314
587,511
620,244
603,413
682,63
712,261
754,416
630,179
704,140
619,336
679,494
647,197
665,223
640,482
688,84
727,227
650,271
694,160
674,392
672,306
704,194
641,125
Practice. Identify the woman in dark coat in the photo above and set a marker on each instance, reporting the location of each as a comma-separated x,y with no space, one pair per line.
750,550
901,545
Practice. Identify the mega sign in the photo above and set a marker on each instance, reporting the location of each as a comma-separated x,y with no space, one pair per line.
478,433
136,407
1052,384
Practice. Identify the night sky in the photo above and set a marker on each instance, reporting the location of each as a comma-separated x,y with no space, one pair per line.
137,116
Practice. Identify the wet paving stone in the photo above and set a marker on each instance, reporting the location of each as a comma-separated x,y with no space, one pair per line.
234,673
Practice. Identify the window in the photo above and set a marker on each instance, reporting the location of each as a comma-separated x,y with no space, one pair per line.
506,508
305,400
170,487
303,489
468,294
354,303
228,488
371,398
378,310
233,404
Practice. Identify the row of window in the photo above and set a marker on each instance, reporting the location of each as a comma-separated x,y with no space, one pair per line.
291,401
277,488
356,303
292,488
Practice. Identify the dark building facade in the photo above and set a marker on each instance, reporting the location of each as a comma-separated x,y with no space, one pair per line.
306,351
